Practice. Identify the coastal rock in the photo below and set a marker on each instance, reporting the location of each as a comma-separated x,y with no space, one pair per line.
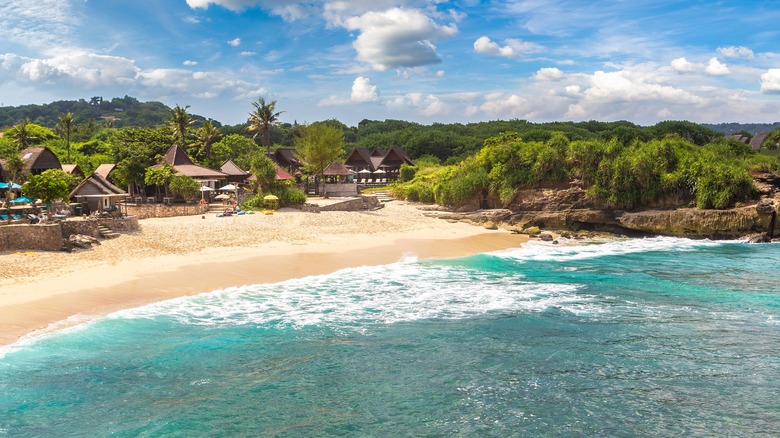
546,237
82,241
759,238
698,223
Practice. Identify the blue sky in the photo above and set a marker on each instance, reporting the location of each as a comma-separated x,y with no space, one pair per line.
419,60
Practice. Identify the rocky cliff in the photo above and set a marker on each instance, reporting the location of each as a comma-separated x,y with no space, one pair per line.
572,209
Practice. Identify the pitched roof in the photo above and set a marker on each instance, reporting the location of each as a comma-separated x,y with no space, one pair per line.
177,158
336,169
286,155
281,174
378,152
39,158
72,169
105,169
96,185
359,157
738,137
231,168
758,140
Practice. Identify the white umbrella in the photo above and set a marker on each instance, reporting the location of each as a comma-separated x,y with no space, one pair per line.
228,187
223,196
379,171
364,171
205,189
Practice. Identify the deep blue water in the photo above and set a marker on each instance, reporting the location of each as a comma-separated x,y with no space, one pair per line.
651,337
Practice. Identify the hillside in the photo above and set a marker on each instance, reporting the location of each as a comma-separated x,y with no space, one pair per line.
732,128
118,112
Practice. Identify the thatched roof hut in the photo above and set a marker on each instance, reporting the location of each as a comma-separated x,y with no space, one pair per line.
38,159
97,192
73,170
178,159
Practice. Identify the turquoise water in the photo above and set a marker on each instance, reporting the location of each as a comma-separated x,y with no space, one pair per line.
651,337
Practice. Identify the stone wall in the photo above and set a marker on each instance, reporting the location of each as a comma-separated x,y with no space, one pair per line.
47,237
87,227
145,211
128,224
342,189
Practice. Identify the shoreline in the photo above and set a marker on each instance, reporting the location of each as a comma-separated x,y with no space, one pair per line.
83,288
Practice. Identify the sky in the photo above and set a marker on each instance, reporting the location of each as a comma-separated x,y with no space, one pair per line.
425,61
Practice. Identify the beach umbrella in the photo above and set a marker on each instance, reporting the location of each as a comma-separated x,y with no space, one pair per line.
271,198
364,171
205,189
229,187
14,186
222,196
379,171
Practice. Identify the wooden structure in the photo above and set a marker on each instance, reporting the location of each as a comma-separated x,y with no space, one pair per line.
38,159
286,157
378,165
105,171
235,174
183,165
98,193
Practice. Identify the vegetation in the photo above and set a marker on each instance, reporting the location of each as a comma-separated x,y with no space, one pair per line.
262,119
49,186
319,145
621,176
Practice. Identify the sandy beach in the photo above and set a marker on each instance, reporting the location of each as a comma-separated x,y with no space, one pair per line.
172,257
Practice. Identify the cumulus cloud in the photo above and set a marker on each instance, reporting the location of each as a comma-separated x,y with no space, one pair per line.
233,5
80,68
736,52
770,81
235,42
190,63
682,65
364,91
548,74
513,48
426,105
397,38
714,67
440,74
248,53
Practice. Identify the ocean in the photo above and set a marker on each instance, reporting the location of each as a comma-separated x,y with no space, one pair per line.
635,337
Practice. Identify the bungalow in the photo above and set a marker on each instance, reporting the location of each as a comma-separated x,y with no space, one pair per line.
178,159
73,170
38,159
758,140
98,193
286,157
234,173
377,164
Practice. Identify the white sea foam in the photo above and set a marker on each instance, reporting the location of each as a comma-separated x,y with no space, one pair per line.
358,297
567,250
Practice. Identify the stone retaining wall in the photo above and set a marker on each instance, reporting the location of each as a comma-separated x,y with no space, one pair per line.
341,189
46,237
145,211
88,227
128,224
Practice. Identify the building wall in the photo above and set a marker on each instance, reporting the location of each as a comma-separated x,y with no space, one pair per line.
338,190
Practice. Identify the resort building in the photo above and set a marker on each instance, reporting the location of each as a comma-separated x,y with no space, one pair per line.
98,193
377,165
285,157
235,174
178,159
105,170
38,159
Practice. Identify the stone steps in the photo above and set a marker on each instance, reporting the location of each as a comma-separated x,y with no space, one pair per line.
106,233
383,196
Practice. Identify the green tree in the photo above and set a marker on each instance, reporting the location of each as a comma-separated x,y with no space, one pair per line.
160,176
262,119
66,123
134,150
236,147
207,135
180,123
50,185
22,134
184,186
318,146
264,171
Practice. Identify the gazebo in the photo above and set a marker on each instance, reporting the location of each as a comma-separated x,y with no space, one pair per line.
98,193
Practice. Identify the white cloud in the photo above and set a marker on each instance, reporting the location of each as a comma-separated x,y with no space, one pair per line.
440,74
190,63
736,52
191,20
37,23
364,91
714,67
548,74
682,65
397,38
235,42
248,53
770,81
426,105
233,5
80,68
513,48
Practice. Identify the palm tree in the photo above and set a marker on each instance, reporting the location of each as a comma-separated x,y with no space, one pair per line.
180,121
66,121
207,135
21,134
261,120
